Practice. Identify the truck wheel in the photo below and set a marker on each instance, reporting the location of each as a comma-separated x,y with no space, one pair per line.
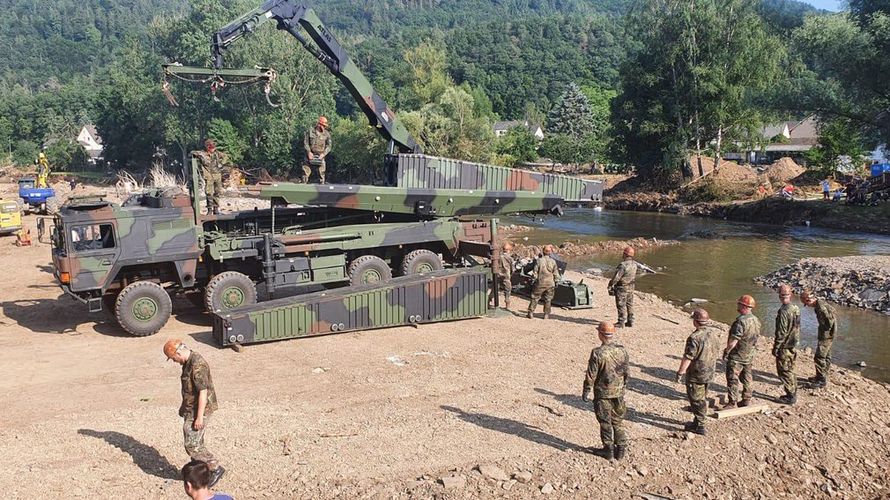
368,269
143,308
421,261
229,290
51,206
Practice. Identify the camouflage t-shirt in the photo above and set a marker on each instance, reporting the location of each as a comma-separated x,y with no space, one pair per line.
625,275
195,378
703,348
827,318
787,327
546,272
505,265
607,371
212,164
745,329
317,141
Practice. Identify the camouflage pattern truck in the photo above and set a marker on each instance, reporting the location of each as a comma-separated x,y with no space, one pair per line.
129,258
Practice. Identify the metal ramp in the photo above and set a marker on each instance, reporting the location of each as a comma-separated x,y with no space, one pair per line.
423,298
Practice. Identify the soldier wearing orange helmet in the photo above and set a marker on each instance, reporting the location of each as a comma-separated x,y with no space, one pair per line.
607,377
317,143
785,344
198,403
827,318
699,365
739,352
622,287
546,273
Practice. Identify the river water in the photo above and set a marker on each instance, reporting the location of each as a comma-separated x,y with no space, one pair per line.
721,266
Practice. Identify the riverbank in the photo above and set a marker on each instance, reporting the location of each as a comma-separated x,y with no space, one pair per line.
858,281
488,407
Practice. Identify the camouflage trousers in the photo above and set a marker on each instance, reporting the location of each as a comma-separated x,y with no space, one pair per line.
505,286
610,415
624,302
785,369
823,358
307,172
541,294
212,189
194,441
697,394
736,372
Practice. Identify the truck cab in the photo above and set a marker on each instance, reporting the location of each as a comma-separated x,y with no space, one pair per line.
34,198
10,217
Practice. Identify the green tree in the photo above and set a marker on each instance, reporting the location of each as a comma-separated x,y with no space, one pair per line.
228,139
517,146
24,152
357,151
838,137
572,115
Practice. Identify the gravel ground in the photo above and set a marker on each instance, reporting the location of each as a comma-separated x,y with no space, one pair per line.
91,413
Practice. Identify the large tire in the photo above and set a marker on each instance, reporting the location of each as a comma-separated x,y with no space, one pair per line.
51,207
421,261
143,308
368,269
229,290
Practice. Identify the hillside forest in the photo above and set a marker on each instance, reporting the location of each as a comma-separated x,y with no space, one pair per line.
642,83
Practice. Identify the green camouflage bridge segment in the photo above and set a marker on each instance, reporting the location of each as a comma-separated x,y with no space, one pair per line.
425,203
418,171
417,299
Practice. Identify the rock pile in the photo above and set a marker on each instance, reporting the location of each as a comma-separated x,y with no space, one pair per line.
860,281
577,248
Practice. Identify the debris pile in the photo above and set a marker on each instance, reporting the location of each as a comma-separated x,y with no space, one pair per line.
577,248
859,281
783,170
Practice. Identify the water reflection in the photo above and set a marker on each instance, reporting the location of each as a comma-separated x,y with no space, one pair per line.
721,267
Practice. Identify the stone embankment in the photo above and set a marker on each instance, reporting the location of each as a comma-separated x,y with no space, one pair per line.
859,281
580,249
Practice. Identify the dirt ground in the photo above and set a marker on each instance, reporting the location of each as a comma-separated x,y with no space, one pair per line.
89,412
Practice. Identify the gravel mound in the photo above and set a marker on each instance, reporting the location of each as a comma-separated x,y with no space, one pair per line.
783,170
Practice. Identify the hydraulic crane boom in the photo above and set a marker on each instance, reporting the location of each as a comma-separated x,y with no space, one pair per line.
290,16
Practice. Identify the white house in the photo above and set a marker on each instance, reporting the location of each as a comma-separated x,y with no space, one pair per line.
91,142
501,128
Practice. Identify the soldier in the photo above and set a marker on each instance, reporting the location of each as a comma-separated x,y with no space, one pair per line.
212,164
317,143
545,273
827,318
198,403
785,344
699,365
607,376
622,287
503,270
739,352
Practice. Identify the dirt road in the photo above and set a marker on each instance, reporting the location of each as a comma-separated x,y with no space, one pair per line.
91,412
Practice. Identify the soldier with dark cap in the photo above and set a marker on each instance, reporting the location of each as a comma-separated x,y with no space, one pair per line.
503,270
785,344
607,378
827,318
212,164
317,143
699,365
622,287
198,403
546,272
739,352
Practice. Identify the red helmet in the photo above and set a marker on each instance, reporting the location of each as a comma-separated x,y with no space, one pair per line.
606,329
171,346
747,301
629,251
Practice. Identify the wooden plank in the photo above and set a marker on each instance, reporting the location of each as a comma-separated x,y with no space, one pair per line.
737,412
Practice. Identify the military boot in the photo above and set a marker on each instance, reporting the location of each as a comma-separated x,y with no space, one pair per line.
695,427
216,475
787,399
546,315
528,315
606,452
818,382
744,402
507,303
619,452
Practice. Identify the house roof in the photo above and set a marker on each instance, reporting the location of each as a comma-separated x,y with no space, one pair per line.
770,131
91,129
507,125
805,131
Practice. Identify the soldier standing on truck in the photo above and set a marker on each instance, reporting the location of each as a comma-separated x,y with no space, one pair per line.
503,270
545,273
622,287
212,164
317,143
198,403
827,318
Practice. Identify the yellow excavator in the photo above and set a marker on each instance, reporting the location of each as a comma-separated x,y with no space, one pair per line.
42,170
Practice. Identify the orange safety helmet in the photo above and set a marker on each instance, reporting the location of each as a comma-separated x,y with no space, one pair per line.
606,329
629,251
323,121
171,346
747,301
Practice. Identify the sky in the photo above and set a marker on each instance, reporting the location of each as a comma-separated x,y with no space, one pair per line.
832,5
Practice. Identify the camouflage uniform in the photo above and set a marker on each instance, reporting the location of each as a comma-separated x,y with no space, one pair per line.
785,345
827,318
195,378
702,349
502,273
746,330
607,376
545,272
623,285
212,165
316,142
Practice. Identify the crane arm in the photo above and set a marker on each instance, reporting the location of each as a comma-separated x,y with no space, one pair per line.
290,16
